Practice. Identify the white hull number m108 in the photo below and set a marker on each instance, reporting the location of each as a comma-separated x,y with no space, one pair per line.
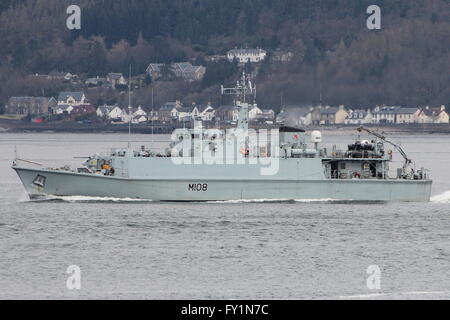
198,187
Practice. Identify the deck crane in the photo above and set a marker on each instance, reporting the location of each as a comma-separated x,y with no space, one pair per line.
396,146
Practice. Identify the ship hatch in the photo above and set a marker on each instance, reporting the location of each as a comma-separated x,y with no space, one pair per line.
39,181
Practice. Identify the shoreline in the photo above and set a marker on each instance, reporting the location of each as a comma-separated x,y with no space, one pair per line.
18,126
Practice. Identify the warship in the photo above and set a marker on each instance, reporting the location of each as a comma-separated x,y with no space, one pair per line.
213,165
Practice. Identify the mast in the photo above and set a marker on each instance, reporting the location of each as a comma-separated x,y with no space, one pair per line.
152,113
129,110
243,88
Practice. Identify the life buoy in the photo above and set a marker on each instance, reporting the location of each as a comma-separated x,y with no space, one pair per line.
245,152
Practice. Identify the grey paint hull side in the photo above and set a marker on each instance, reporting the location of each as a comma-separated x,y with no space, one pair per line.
60,183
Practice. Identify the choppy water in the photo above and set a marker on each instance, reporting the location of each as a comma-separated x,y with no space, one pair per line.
282,250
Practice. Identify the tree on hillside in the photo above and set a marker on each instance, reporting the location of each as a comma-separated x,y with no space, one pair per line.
335,56
219,72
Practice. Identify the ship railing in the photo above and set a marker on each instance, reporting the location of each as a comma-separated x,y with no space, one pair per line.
341,154
350,174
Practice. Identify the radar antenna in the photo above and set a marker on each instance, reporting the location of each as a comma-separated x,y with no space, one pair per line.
243,88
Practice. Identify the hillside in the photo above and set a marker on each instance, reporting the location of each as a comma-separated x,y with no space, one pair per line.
336,58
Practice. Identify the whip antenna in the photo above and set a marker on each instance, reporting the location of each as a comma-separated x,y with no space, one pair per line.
129,110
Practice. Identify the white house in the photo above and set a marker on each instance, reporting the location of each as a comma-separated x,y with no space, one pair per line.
109,112
390,114
63,109
433,115
133,113
406,115
154,70
139,112
208,113
153,115
71,98
56,75
247,55
187,71
266,115
139,119
295,115
254,112
384,114
103,111
304,117
281,117
116,79
228,113
191,112
169,111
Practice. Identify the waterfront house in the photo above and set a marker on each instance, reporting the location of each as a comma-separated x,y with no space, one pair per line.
137,119
304,117
133,114
433,115
329,115
30,105
169,111
266,115
395,114
208,113
62,109
295,115
139,111
406,115
253,111
227,113
281,118
384,114
72,98
188,112
359,116
110,112
83,109
153,115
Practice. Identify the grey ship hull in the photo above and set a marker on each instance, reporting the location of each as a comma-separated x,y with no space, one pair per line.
65,183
